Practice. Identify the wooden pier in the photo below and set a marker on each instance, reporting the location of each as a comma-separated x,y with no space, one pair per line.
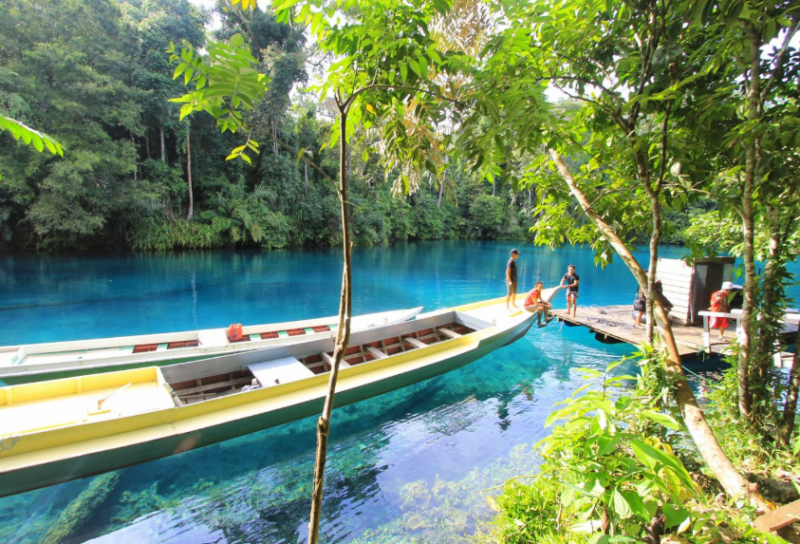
616,323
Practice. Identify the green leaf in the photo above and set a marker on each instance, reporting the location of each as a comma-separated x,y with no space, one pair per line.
662,419
636,504
620,504
179,70
602,421
651,456
674,515
414,67
607,444
599,538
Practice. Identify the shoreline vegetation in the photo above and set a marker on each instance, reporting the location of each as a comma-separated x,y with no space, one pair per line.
124,181
621,467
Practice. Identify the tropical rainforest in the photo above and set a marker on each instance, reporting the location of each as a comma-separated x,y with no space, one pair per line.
96,75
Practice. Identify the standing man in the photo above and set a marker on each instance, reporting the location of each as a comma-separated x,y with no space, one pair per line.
511,280
572,280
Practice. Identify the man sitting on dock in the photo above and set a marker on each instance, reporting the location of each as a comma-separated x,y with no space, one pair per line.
572,280
534,303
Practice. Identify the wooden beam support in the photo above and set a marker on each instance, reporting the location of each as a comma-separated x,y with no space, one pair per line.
416,343
375,352
329,359
448,332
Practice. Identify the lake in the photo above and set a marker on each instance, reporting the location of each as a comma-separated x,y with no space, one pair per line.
416,463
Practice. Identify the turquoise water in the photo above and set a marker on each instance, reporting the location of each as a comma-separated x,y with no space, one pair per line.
414,465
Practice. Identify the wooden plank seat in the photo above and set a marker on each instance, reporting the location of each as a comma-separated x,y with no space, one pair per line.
386,347
278,371
328,358
416,343
378,354
213,386
449,333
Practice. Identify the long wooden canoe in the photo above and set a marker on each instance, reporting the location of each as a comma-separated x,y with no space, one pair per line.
38,362
70,428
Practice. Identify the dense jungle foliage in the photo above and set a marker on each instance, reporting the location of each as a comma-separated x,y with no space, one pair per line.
95,74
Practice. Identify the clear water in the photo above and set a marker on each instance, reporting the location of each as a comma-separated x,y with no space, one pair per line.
414,465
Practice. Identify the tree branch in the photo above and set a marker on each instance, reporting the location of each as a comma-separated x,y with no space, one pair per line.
780,61
352,97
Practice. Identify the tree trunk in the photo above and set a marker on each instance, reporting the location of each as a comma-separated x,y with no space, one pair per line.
163,146
189,171
342,340
513,208
749,305
655,239
135,159
771,310
733,482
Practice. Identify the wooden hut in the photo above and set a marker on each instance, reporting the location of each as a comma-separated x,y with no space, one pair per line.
689,288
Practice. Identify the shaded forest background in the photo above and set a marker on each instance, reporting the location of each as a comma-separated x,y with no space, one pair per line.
95,74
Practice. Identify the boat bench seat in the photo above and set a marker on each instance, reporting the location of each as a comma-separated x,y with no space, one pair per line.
212,338
279,371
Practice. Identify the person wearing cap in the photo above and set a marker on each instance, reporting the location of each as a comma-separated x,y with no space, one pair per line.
534,303
719,303
511,280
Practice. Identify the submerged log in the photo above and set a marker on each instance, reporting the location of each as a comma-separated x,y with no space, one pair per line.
82,508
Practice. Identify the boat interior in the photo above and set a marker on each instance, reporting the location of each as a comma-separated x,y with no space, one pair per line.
33,407
203,380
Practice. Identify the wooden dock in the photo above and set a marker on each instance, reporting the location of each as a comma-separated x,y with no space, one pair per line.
616,323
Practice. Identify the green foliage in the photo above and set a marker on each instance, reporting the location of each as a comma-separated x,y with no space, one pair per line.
740,441
488,214
225,82
605,473
30,136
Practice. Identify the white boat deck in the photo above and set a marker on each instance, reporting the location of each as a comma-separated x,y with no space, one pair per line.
278,371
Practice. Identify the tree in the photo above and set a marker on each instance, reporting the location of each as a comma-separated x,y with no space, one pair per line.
629,65
751,104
